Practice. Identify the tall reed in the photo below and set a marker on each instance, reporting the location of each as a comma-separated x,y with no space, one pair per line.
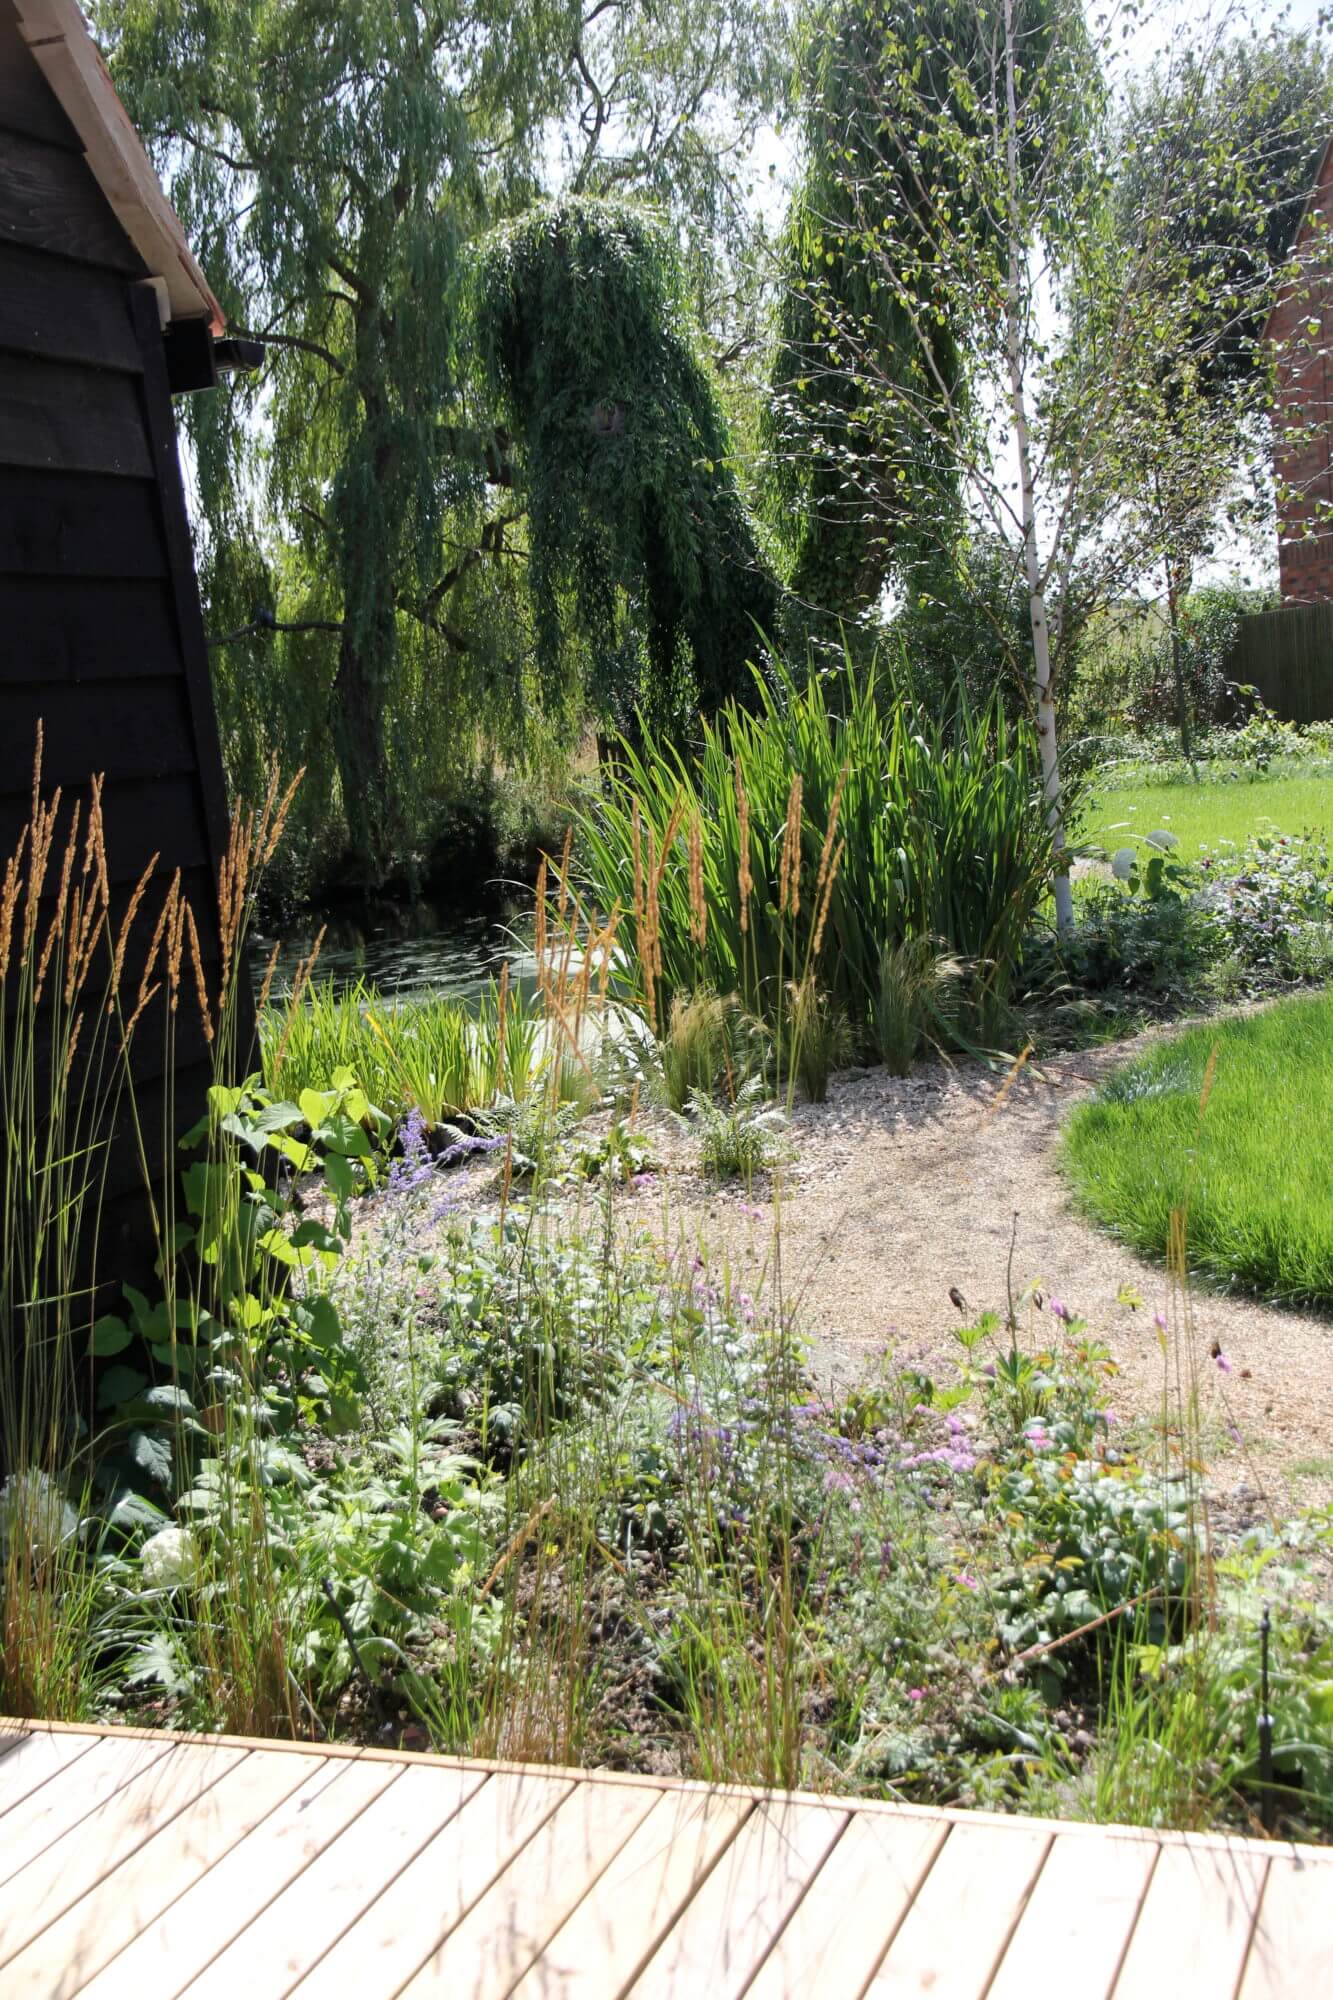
811,835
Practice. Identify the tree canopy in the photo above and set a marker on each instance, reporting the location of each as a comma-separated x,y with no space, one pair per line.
490,482
365,553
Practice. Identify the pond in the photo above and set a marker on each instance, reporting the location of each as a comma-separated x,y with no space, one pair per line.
407,950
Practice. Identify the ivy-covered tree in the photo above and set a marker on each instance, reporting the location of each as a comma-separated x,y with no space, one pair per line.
895,99
363,541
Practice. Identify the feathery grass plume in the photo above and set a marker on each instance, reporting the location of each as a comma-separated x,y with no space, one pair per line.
561,900
300,980
501,1015
97,842
652,899
646,939
72,1049
273,832
830,834
175,946
698,900
789,874
9,895
60,915
86,928
266,985
825,898
160,931
200,985
137,895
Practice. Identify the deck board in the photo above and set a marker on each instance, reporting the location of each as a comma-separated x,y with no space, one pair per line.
485,1955
55,1880
722,1937
66,1954
1291,1951
53,1808
136,1864
398,1934
1076,1926
188,1936
26,1762
1194,1929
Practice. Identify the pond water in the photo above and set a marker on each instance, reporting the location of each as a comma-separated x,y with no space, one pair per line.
407,950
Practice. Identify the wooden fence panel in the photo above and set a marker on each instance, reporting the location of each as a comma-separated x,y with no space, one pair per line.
1288,656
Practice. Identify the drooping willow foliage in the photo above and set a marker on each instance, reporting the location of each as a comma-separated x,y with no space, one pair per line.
625,456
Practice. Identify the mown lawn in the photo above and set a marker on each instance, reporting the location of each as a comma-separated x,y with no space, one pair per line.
1254,1167
1206,814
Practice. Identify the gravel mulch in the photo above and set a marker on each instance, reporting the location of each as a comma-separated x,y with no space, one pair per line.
900,1191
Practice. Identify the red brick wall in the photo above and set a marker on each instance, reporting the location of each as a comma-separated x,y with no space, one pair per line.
1301,329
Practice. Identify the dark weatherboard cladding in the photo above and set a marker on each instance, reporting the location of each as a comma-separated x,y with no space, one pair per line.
102,313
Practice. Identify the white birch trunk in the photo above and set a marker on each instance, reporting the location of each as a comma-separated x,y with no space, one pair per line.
1041,629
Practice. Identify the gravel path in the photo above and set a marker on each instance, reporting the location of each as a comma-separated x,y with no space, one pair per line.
903,1188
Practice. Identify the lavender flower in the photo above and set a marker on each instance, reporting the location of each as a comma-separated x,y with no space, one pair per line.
412,1169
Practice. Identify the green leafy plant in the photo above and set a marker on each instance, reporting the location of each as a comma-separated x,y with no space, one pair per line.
739,1140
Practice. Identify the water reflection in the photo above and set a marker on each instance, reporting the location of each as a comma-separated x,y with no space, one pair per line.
406,950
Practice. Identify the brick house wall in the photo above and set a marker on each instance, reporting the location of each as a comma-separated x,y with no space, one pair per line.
1300,330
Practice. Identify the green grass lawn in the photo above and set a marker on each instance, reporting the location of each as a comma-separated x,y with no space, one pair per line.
1206,814
1256,1171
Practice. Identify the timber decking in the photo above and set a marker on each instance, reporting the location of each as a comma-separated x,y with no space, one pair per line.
138,1866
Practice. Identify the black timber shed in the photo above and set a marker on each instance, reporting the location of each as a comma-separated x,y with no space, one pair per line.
103,315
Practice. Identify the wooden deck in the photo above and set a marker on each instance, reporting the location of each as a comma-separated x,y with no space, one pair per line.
142,1866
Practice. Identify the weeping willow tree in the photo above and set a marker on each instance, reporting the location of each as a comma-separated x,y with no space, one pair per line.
637,531
361,507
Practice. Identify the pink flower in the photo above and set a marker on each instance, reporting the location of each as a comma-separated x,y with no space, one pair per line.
968,1581
916,1694
1223,1364
748,1208
1059,1310
1159,1321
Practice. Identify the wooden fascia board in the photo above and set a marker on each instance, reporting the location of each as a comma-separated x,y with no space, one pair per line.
57,35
